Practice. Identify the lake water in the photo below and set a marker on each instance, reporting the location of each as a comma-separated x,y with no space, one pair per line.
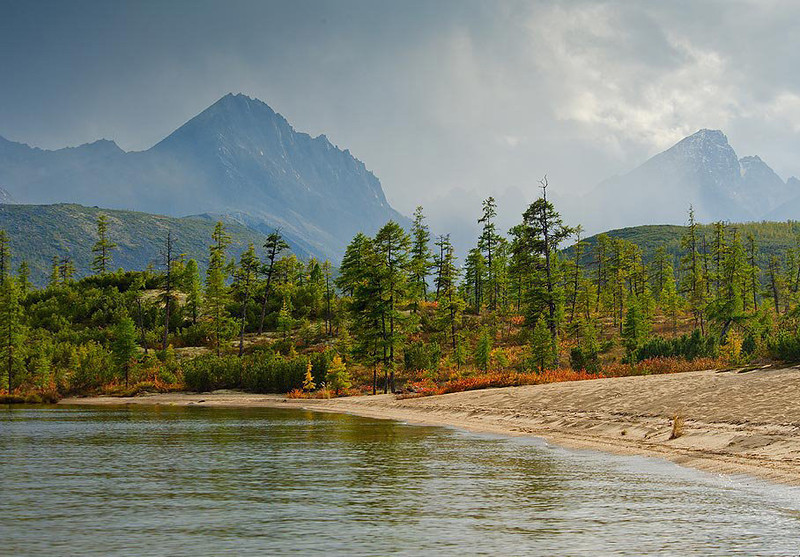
203,481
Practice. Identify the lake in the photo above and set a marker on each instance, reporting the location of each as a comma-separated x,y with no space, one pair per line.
203,481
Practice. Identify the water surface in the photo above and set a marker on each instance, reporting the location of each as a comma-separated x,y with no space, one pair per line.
203,481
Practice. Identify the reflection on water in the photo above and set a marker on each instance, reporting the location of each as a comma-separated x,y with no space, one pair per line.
204,481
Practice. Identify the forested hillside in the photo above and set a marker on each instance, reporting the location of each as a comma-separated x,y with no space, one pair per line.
403,314
41,232
772,238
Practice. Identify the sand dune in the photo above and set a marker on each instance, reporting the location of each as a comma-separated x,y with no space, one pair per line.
733,422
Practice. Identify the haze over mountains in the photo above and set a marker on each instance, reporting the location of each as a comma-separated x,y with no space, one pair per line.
241,161
702,170
237,158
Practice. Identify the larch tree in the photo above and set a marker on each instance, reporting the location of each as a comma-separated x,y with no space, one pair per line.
544,232
123,346
216,292
24,278
392,245
169,257
10,329
244,277
421,258
274,246
487,244
103,247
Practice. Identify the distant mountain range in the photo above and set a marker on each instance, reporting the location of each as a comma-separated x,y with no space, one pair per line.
238,159
702,170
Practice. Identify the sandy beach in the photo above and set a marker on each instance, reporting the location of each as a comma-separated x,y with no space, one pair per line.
734,423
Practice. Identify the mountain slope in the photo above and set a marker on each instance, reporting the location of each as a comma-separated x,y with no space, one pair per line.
40,232
236,157
772,238
702,170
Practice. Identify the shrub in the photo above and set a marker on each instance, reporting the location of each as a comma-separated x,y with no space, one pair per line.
210,372
688,347
419,355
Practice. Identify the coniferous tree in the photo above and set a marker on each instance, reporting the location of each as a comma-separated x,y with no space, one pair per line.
244,277
392,245
5,255
693,285
755,272
168,285
450,305
123,347
103,247
482,350
421,258
216,294
24,278
55,276
487,244
193,288
337,377
274,246
353,268
544,231
542,352
10,330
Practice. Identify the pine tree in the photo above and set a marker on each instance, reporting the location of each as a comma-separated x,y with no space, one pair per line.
544,231
326,270
353,267
755,272
668,298
542,352
216,294
635,327
24,278
55,276
193,288
392,245
244,278
450,305
274,246
487,244
168,285
10,330
103,247
421,258
123,347
693,285
483,350
337,377
5,255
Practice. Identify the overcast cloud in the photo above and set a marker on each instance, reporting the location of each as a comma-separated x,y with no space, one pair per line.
447,101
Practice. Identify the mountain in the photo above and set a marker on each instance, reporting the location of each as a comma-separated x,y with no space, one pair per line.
702,170
772,238
238,157
39,232
5,197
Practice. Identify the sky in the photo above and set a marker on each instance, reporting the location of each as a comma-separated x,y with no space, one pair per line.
446,101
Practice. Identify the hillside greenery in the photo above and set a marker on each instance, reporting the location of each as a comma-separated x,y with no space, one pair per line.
401,315
42,232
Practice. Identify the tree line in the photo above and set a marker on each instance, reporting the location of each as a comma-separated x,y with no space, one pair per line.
400,302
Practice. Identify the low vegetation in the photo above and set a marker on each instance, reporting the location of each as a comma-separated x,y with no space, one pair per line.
401,314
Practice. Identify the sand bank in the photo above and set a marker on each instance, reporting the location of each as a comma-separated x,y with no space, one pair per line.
734,423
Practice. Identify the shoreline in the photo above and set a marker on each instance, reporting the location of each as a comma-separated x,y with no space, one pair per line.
735,423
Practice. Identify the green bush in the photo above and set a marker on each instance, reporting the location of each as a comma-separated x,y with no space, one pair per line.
209,373
688,347
420,355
